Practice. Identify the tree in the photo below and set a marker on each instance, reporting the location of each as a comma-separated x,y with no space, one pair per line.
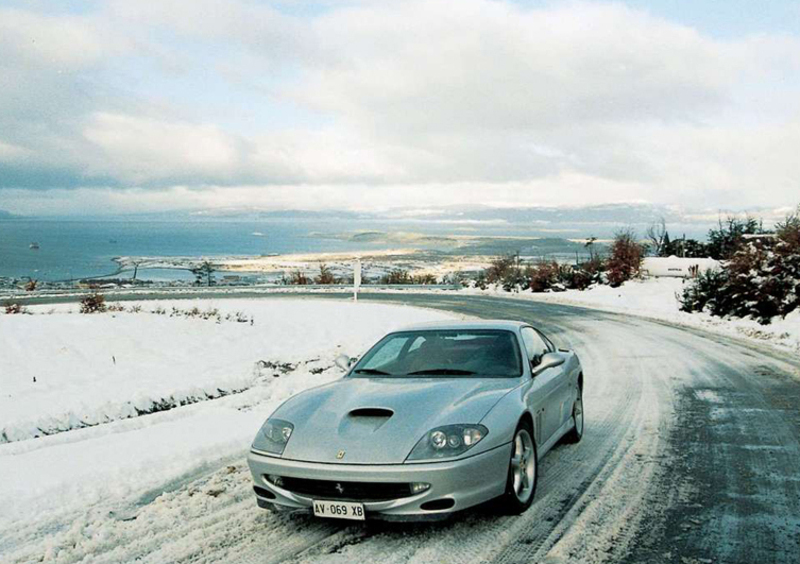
689,248
136,264
761,279
589,245
724,241
204,273
625,259
658,237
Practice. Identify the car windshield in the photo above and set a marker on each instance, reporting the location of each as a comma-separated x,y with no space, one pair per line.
443,353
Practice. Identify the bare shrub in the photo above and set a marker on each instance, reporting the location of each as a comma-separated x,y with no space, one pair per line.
481,280
424,279
298,278
209,313
325,275
14,309
93,303
499,269
397,276
543,276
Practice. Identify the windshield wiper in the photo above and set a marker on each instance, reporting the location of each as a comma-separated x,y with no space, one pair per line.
442,372
372,371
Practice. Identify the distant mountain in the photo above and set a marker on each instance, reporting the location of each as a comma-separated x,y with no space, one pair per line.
256,214
7,215
607,213
573,222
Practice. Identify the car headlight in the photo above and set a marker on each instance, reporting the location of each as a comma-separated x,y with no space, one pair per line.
447,441
273,436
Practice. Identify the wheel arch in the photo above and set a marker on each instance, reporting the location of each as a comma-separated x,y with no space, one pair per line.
526,417
533,425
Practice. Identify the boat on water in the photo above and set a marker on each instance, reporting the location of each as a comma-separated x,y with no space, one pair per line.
34,246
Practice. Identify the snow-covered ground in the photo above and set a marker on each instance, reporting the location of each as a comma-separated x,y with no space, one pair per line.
656,298
90,381
172,486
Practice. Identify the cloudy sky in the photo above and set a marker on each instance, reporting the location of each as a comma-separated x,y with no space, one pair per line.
121,106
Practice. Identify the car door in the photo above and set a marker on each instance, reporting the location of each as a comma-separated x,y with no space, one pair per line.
547,387
566,389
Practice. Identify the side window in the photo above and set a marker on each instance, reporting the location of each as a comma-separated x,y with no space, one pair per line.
550,346
534,344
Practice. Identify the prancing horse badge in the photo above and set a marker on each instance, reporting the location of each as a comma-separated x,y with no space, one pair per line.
340,455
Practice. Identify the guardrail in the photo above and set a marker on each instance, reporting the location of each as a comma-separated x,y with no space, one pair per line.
165,292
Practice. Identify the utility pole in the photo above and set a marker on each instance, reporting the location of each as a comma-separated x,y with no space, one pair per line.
356,278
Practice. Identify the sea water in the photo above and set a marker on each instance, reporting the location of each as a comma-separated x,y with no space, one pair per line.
70,249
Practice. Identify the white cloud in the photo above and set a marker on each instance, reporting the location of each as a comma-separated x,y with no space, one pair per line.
11,152
140,150
430,102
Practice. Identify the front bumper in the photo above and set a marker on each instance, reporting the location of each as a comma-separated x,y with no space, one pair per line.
468,482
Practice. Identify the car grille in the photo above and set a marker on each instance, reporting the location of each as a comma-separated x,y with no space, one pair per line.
355,491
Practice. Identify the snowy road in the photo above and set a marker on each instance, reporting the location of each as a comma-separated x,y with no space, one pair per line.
691,455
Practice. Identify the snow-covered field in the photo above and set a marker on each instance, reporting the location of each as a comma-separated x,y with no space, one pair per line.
133,402
655,298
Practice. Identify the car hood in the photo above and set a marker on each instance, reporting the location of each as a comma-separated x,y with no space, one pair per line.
379,420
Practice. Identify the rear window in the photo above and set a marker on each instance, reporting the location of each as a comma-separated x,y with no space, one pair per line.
443,353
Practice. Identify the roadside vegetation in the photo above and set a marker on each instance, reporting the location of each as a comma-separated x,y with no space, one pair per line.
203,273
623,262
760,278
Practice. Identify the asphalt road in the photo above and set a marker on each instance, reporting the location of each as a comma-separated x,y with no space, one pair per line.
691,455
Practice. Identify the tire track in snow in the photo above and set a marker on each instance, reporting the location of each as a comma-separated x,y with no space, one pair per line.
565,474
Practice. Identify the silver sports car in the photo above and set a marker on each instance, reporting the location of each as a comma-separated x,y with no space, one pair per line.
433,419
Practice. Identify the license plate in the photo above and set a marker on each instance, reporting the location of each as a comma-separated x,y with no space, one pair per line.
339,510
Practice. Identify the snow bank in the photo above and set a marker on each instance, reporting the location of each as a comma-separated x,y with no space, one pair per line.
65,371
72,358
657,298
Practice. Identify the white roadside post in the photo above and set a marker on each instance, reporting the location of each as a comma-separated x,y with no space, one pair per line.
356,278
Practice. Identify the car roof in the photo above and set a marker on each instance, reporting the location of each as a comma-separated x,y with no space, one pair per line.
473,324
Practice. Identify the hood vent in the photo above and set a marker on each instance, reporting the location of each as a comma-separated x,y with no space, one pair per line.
371,412
364,421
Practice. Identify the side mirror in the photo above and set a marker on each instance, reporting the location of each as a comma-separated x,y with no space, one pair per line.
344,362
548,360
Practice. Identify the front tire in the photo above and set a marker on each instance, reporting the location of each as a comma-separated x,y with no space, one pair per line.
523,472
576,433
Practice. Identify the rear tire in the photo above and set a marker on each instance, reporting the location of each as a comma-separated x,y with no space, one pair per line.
523,472
575,434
